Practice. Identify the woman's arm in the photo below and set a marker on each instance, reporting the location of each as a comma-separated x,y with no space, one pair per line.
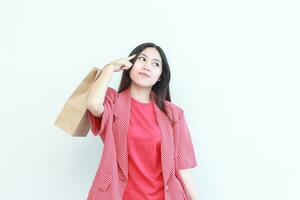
97,93
186,175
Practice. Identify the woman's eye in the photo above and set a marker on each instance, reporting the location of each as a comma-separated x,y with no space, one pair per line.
142,58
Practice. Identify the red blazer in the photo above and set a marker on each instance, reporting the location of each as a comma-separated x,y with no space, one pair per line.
177,151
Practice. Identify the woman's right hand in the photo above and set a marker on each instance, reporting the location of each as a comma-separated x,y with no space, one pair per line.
121,63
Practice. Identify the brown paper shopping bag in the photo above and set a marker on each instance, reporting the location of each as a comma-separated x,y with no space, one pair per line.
73,116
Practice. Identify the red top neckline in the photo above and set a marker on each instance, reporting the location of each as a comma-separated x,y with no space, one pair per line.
136,101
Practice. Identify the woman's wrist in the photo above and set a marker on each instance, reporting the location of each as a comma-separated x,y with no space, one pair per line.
108,67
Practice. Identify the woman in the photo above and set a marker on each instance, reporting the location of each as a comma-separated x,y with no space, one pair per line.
148,151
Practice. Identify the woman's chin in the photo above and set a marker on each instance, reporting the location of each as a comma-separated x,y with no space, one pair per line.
143,83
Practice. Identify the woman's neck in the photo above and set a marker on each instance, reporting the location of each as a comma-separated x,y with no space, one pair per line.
141,94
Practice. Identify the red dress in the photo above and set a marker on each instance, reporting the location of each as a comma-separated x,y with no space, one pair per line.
145,179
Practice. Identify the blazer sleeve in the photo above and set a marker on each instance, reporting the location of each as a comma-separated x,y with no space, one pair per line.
99,124
186,157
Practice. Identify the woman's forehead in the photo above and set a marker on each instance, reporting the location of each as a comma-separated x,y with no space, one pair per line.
151,53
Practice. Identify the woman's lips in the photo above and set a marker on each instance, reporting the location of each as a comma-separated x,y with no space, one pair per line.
144,74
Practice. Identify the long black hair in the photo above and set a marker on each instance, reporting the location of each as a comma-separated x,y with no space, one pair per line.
160,88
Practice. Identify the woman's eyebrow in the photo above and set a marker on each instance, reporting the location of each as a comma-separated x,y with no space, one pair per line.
147,57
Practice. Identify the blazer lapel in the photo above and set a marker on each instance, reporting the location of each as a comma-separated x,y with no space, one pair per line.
167,142
121,112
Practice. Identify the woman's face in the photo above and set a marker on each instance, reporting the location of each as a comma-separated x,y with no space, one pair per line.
148,62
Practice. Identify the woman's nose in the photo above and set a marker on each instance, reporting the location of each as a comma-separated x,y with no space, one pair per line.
147,66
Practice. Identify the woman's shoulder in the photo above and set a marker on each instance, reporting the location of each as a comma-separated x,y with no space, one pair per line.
111,94
111,91
175,110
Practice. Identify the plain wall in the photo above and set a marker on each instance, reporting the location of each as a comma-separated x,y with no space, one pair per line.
235,72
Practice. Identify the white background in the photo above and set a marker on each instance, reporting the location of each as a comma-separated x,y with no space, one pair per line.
235,72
